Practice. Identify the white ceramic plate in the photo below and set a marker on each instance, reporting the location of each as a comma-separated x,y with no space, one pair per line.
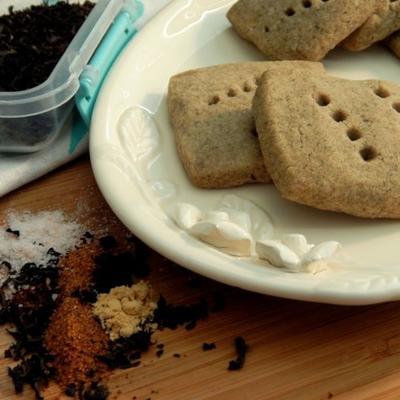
137,168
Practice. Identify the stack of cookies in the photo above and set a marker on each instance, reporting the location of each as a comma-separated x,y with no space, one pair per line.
309,29
325,142
211,112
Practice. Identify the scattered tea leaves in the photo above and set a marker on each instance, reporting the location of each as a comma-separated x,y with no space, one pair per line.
171,316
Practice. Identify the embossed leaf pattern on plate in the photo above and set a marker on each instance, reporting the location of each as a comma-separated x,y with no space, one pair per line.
138,134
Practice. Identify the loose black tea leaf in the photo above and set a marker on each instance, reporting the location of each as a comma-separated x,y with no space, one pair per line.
88,296
34,371
159,353
13,232
113,270
171,316
118,269
241,350
33,40
108,242
124,352
95,391
70,390
209,346
88,235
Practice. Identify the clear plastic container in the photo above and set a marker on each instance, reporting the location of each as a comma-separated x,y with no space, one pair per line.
31,119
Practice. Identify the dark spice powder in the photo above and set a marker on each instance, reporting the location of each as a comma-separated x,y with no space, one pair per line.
77,270
75,339
33,40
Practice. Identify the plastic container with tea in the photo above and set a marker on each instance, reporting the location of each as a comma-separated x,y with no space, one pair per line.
44,49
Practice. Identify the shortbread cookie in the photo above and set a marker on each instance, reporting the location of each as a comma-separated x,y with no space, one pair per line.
379,26
331,143
393,42
298,29
210,111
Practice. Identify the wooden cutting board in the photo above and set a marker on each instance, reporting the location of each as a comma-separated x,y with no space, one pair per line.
297,350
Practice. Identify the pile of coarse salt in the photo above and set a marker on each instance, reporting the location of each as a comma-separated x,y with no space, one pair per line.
27,238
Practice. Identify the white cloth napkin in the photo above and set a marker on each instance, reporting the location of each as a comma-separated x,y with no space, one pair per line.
17,170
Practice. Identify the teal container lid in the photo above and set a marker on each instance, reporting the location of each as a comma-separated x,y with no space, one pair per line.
93,75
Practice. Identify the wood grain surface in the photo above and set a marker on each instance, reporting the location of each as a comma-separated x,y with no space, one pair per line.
297,350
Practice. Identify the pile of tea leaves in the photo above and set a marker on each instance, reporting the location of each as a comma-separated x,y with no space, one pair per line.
33,40
28,312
